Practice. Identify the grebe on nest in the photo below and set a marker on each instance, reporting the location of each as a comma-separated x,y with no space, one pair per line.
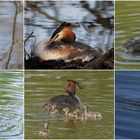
62,46
70,101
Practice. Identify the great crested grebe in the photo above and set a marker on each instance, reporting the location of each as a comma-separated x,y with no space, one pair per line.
62,46
45,131
88,115
70,101
132,46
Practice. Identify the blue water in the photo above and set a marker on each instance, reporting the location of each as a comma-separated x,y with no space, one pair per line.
127,106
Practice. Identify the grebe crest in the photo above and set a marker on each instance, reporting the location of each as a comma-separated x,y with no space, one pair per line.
63,33
45,131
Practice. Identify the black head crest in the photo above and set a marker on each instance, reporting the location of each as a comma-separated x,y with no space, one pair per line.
64,24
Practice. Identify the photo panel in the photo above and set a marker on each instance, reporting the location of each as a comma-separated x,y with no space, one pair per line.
69,35
127,104
11,105
56,108
127,35
11,34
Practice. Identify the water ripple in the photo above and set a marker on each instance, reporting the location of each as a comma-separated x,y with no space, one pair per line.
11,105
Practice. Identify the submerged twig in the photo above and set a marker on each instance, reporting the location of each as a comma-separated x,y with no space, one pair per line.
26,53
13,35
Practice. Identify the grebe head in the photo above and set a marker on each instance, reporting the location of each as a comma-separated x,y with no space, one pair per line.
132,46
71,87
66,110
63,33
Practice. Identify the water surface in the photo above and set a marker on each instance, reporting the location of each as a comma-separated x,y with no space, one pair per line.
11,105
127,21
127,105
97,92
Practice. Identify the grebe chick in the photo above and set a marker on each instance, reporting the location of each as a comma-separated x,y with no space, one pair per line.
88,115
132,46
62,46
45,131
71,115
70,101
50,108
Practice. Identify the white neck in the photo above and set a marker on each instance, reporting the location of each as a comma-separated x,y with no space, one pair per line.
77,99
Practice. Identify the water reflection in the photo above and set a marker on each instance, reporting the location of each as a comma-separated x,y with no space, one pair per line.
11,105
11,40
93,20
127,27
97,92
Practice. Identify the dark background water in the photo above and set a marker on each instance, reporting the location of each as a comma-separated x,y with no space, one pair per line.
97,92
96,31
127,105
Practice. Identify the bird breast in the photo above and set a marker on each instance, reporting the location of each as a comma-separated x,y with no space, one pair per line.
64,51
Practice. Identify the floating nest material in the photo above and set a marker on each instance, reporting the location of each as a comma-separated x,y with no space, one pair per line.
104,61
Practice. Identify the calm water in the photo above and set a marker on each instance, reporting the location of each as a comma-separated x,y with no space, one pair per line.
127,104
97,92
127,23
7,11
11,105
90,32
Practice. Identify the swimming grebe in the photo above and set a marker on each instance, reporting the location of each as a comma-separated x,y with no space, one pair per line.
62,46
70,101
132,46
45,131
88,115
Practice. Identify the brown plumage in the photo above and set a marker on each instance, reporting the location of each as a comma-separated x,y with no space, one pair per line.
62,46
70,101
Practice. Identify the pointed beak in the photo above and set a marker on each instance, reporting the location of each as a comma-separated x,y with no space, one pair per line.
79,86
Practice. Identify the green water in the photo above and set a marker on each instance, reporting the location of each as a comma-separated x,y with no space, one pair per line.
11,105
97,92
127,26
